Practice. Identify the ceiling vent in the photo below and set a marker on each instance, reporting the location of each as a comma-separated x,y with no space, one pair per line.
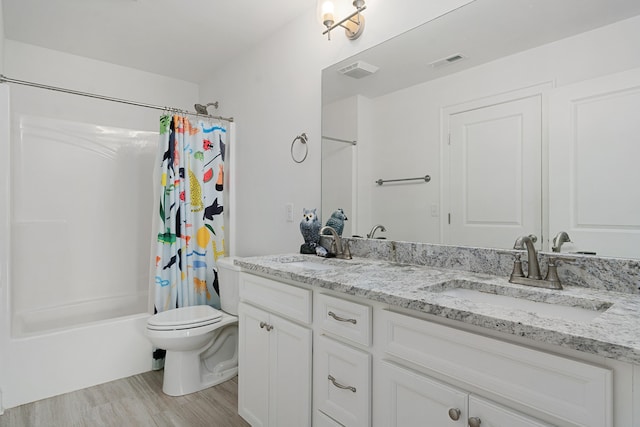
448,60
358,70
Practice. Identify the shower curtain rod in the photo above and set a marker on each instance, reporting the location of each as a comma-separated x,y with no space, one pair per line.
4,79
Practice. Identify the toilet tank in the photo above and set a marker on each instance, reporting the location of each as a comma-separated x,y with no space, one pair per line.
228,278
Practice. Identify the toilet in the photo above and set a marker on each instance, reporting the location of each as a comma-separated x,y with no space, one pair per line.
201,342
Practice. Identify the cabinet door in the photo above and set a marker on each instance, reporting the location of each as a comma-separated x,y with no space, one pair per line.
493,415
404,398
290,375
253,366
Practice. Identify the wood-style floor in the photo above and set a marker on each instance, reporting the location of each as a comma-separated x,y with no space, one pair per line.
136,401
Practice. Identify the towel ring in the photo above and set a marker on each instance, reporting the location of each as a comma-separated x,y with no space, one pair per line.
303,139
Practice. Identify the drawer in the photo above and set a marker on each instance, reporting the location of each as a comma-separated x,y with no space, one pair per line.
343,382
564,388
343,318
286,300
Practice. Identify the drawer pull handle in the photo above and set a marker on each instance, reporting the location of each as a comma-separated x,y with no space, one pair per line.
265,325
454,414
337,384
474,422
341,319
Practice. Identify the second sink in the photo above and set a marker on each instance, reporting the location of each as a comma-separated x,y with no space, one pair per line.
548,304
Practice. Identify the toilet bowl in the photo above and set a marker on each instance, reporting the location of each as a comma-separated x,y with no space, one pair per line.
201,342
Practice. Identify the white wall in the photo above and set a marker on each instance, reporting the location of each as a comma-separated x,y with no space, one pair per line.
4,212
33,63
1,40
339,120
274,94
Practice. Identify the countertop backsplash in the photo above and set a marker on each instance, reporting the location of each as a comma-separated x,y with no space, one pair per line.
613,274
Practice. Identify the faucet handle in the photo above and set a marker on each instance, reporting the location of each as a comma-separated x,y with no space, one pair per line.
552,274
333,248
517,267
346,252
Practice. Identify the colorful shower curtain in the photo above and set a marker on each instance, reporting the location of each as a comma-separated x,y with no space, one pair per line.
191,227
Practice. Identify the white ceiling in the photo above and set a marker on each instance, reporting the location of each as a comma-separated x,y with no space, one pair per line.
150,35
481,31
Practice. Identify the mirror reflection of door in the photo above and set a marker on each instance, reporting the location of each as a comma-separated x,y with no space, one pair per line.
594,178
494,182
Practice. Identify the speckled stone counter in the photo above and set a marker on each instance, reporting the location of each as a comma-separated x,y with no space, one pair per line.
614,332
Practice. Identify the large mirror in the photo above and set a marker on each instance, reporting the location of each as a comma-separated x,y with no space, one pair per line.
525,115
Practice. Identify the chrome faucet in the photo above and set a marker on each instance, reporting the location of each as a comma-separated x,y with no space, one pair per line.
532,257
533,278
561,237
373,230
341,248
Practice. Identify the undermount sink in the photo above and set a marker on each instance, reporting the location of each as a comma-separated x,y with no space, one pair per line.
320,264
311,265
548,304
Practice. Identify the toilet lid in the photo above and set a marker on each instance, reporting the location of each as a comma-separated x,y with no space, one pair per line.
185,317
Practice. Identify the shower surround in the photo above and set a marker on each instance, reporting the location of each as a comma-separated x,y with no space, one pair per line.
77,204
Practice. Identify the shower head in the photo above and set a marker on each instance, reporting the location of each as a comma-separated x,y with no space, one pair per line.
202,109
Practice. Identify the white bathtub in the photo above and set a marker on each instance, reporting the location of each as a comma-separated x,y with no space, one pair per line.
48,364
30,323
74,270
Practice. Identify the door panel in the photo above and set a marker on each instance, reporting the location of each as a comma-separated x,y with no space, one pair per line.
405,398
290,380
593,164
495,187
494,415
253,365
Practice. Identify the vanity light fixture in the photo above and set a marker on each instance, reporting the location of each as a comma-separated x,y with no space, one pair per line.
353,24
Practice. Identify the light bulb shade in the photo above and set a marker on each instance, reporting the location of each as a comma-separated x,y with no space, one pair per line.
326,12
343,13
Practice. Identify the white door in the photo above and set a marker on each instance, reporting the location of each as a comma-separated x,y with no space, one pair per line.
403,398
290,376
494,183
594,178
253,366
490,414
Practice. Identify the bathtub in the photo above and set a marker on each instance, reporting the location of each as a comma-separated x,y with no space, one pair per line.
31,323
47,364
76,202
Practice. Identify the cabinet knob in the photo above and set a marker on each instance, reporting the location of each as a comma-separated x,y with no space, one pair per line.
474,422
454,414
266,326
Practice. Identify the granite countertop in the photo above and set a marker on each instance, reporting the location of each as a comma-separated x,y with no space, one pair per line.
611,329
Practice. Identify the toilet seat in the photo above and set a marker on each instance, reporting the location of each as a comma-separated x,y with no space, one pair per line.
184,318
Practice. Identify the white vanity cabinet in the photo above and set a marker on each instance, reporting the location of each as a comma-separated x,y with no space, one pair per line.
377,366
561,390
274,379
406,398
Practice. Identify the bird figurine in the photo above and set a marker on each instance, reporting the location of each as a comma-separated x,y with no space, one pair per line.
336,221
310,228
